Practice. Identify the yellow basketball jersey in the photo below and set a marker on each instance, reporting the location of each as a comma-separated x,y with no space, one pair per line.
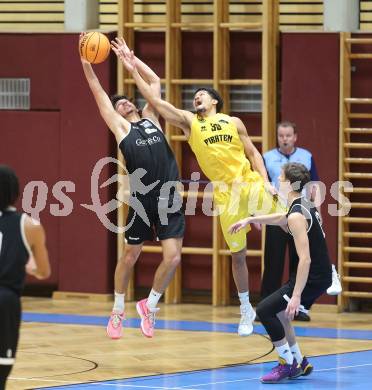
218,148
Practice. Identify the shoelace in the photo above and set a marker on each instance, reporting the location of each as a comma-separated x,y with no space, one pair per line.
116,319
151,316
245,317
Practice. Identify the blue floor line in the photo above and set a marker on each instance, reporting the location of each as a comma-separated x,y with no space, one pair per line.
195,326
348,371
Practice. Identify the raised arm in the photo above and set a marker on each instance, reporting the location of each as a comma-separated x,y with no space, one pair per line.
121,49
38,265
250,150
153,81
117,124
171,114
298,226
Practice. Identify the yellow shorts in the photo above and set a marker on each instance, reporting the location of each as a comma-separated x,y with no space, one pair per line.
241,201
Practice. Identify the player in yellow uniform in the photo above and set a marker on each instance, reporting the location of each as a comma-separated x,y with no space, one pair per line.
221,145
229,159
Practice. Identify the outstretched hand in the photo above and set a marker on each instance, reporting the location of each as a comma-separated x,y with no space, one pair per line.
125,55
236,227
119,44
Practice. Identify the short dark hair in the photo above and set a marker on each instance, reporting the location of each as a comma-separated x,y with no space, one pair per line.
214,94
9,187
115,98
287,124
296,173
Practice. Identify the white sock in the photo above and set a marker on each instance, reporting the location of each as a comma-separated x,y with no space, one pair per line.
119,303
153,299
244,298
285,353
295,349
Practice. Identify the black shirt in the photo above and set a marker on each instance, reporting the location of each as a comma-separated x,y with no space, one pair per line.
146,147
320,266
13,252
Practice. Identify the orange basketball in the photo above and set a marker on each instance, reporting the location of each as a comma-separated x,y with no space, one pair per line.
94,47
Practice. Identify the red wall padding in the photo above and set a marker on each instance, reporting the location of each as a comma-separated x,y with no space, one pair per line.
30,143
62,138
310,98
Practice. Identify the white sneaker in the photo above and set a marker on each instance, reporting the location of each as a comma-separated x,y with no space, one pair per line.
246,320
335,287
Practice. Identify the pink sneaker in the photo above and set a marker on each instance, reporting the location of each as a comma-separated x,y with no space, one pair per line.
115,325
147,318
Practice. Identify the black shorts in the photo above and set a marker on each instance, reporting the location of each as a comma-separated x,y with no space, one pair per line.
312,291
10,317
149,217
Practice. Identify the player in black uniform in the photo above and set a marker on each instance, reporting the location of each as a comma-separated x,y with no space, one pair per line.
154,210
309,280
19,237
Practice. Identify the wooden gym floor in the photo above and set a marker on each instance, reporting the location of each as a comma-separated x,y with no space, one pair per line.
64,343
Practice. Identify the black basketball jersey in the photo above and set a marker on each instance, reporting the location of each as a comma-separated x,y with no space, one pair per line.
146,147
320,266
13,252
